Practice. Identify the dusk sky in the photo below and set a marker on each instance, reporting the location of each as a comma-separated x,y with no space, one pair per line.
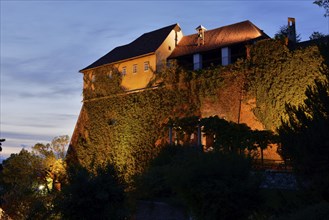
45,43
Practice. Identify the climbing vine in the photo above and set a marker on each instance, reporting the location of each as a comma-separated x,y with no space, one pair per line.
278,76
128,129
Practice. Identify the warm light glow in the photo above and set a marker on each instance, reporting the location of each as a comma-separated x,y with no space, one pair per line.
41,187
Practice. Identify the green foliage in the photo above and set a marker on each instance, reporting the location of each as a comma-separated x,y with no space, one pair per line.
154,182
304,135
211,185
102,82
92,196
123,129
126,128
228,136
279,76
24,173
215,186
52,155
20,179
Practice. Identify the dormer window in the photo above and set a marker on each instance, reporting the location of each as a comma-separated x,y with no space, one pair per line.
135,68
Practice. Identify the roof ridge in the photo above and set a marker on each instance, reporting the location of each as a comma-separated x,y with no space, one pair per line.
135,48
148,33
218,37
172,25
214,29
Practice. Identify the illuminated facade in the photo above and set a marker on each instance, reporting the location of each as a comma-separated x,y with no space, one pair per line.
138,60
220,46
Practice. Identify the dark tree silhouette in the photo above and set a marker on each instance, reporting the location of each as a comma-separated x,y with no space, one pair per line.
304,137
324,4
283,33
317,35
92,196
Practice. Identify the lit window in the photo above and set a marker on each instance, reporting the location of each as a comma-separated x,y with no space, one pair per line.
135,68
146,66
124,71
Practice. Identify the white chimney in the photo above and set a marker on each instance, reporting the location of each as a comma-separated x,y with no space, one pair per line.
200,29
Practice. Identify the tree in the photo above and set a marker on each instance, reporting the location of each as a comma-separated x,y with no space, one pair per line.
210,185
304,136
283,33
20,179
28,178
53,155
279,75
324,4
92,196
263,139
317,35
1,140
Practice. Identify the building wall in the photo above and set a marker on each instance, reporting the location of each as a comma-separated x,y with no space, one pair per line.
168,45
138,80
141,78
130,80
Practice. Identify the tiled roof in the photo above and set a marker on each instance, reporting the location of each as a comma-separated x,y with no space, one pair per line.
146,43
217,38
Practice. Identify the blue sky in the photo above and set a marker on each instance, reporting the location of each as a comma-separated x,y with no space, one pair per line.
45,43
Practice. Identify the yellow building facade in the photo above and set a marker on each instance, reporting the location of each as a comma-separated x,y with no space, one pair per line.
138,61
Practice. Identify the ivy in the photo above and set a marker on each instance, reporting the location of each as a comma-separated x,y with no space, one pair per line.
123,129
278,76
128,129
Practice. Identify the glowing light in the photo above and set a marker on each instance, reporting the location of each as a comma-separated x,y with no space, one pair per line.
41,187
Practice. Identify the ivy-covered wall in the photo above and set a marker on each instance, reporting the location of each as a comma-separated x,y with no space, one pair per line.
127,129
278,76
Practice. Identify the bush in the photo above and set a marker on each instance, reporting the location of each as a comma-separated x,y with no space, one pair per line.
210,185
318,211
92,196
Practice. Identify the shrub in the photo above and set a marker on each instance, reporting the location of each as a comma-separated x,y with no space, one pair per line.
211,185
92,196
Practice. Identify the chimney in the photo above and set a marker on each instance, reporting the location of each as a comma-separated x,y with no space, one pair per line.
292,30
200,29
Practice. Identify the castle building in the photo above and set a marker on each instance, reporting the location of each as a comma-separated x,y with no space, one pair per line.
138,60
220,46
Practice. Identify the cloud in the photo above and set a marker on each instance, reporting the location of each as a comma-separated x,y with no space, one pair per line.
25,131
14,136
